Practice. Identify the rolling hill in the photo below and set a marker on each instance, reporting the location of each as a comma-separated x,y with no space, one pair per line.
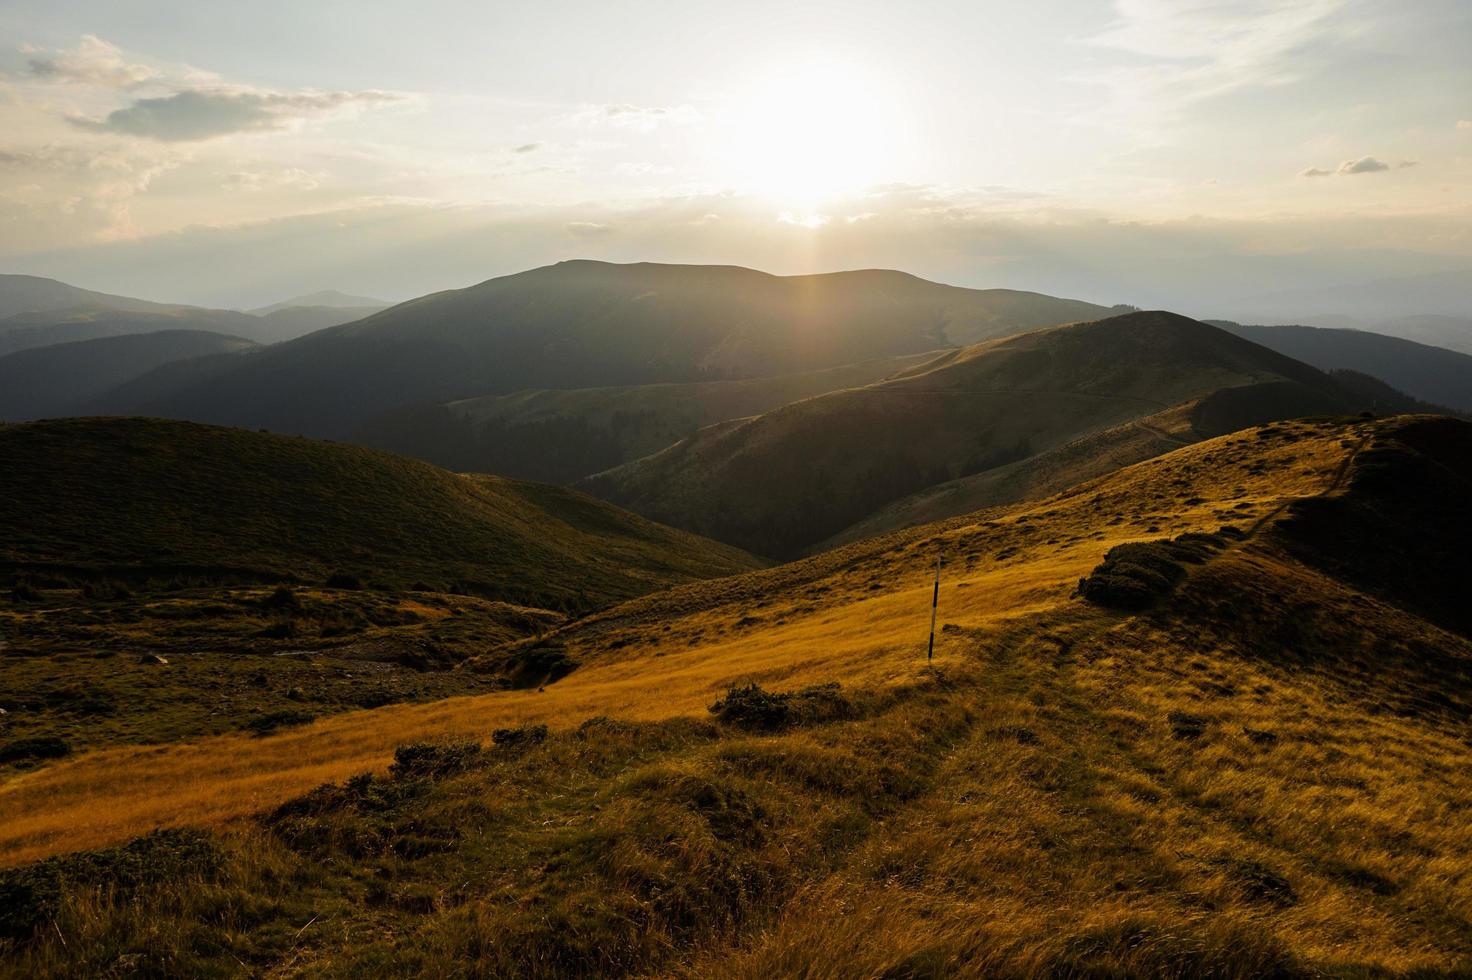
1432,374
329,298
593,324
64,379
561,435
35,294
786,480
146,499
292,322
37,312
1259,770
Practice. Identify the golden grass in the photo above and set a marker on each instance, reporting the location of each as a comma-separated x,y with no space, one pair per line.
686,649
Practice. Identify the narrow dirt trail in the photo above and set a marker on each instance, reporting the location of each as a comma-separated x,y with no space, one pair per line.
1341,474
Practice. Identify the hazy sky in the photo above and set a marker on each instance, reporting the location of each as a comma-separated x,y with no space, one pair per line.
1142,150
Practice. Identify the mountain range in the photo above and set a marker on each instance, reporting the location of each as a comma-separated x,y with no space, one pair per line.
787,479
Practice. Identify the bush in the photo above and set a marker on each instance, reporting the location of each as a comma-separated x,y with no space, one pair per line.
519,738
431,759
753,708
539,665
283,599
344,580
272,722
1132,576
35,748
24,592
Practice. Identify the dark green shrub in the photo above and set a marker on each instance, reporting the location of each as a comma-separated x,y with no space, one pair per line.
538,665
34,748
429,759
753,708
519,738
1132,576
283,599
272,722
344,580
24,592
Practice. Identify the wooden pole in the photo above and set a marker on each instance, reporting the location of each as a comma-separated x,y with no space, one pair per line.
934,604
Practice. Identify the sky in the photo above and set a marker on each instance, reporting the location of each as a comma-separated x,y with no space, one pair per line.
1182,153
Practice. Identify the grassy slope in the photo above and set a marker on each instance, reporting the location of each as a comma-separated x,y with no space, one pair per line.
560,435
61,379
141,497
788,479
584,324
1265,774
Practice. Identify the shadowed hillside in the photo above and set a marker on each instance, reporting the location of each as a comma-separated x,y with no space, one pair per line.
63,379
1259,773
788,479
146,498
561,435
592,324
1432,374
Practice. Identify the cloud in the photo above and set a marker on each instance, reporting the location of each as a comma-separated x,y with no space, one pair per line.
1364,165
641,119
527,148
201,114
93,62
588,229
1464,123
1349,168
1186,51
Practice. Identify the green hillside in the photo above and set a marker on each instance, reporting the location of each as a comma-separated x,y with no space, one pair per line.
63,379
593,324
141,497
561,435
788,479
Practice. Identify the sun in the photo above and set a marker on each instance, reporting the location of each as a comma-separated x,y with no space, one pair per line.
808,132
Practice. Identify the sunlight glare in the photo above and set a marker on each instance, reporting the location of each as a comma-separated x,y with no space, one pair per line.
809,132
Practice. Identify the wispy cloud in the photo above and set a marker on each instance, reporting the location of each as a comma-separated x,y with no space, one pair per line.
1186,51
638,118
102,64
1353,168
199,114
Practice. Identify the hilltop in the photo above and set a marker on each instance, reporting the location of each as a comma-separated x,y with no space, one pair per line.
328,298
149,499
790,478
593,324
1258,769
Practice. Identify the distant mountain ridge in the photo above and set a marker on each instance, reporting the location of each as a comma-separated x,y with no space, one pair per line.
323,297
38,312
582,324
1432,374
65,379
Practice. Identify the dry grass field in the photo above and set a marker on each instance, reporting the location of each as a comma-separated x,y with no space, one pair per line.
1264,773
